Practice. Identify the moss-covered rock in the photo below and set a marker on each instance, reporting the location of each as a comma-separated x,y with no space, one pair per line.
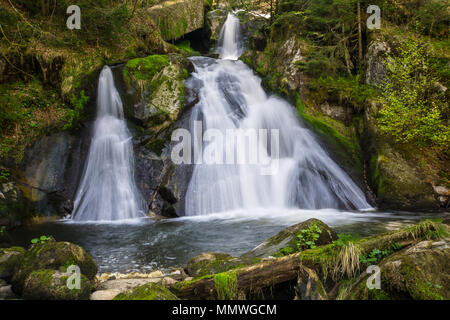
47,284
309,286
418,272
212,263
287,241
178,17
55,256
9,259
159,81
149,291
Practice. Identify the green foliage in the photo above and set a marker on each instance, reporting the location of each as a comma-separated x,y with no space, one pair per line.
74,115
413,110
145,68
4,175
344,239
185,47
41,239
2,230
307,237
376,255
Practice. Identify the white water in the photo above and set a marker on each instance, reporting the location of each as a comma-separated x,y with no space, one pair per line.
231,97
107,190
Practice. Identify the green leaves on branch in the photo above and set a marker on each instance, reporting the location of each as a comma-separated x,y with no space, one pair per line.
413,108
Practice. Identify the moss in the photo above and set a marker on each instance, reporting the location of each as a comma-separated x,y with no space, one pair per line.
149,291
185,47
226,285
145,68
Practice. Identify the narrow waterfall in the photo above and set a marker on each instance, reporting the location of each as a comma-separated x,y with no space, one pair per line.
107,190
231,97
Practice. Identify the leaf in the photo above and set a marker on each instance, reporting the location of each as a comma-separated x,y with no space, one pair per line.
35,240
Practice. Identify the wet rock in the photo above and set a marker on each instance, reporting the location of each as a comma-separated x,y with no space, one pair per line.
215,20
211,263
285,242
9,259
46,284
52,255
124,285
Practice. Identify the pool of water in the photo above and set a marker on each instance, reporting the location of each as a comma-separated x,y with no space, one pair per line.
144,245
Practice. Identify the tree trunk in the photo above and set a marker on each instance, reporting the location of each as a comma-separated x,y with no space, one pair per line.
250,279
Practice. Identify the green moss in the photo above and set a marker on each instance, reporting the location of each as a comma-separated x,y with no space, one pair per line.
149,291
226,285
145,68
185,47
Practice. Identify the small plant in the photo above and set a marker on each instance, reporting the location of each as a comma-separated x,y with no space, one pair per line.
2,230
344,239
307,237
41,239
376,255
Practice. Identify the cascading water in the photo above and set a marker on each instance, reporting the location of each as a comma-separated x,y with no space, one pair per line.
231,97
107,190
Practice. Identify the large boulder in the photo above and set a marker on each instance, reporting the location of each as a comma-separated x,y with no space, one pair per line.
287,241
159,82
52,255
211,263
419,272
47,284
178,17
149,291
9,259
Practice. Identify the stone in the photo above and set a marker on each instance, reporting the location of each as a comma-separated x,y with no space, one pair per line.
375,68
104,294
124,285
156,274
52,255
168,281
285,242
211,263
6,293
441,190
149,291
46,284
9,259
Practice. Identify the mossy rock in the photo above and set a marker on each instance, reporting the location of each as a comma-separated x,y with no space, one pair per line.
47,284
158,81
212,263
398,183
285,242
418,272
149,291
9,259
52,255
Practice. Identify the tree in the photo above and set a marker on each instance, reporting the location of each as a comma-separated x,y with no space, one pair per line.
413,110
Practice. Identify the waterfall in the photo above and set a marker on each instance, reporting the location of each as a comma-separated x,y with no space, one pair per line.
231,97
107,190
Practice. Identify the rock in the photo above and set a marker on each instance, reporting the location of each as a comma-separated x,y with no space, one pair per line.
46,284
375,68
168,281
215,20
9,259
177,274
397,182
149,291
158,80
54,256
441,190
419,272
285,242
6,292
104,294
124,285
178,17
309,287
156,274
211,263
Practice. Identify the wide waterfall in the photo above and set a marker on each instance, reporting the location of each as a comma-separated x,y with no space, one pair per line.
231,97
107,190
